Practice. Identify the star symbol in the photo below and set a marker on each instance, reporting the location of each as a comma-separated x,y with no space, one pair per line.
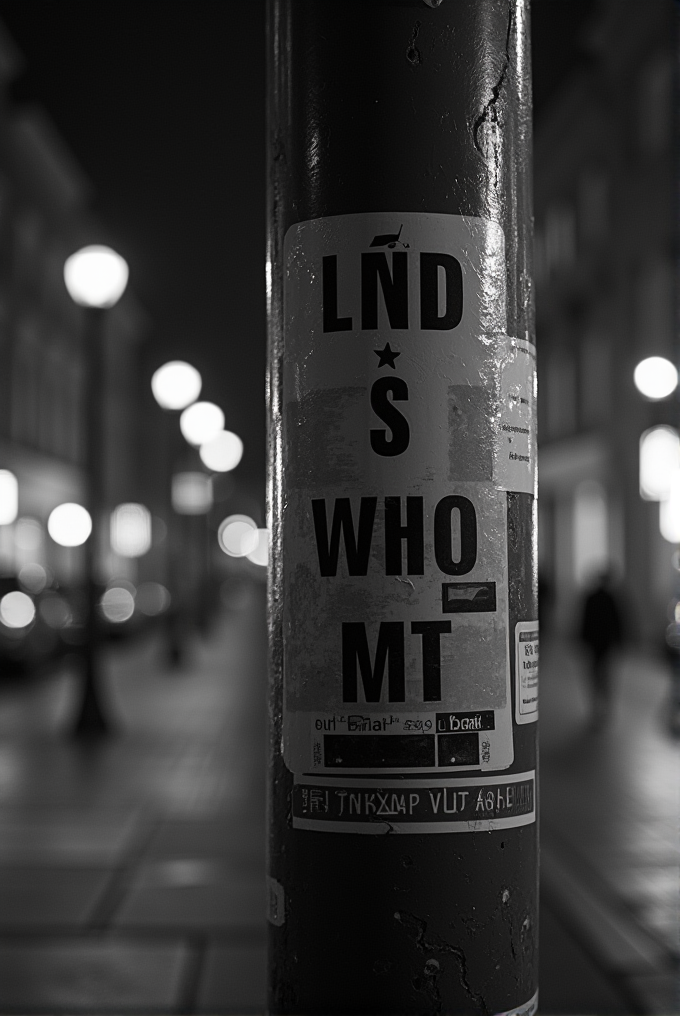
387,356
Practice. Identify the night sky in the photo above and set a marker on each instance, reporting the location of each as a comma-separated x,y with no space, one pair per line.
163,106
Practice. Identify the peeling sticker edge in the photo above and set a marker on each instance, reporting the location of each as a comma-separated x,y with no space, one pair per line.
528,1009
276,902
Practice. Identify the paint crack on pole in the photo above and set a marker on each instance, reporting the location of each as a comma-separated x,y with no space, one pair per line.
417,929
489,113
413,54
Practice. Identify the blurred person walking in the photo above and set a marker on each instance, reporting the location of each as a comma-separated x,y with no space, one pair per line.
601,631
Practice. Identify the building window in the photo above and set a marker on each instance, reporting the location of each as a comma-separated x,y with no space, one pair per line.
595,381
591,532
654,308
560,395
655,104
593,206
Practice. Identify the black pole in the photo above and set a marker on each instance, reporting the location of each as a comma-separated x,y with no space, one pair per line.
403,611
91,719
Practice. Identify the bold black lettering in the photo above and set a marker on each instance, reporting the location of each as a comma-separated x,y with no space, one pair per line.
389,414
394,288
390,650
412,532
357,548
331,321
431,632
443,542
429,291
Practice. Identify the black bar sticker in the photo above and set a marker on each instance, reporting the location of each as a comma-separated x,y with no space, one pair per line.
335,804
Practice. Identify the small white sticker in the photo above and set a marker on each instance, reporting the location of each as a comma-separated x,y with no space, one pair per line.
515,455
526,671
276,902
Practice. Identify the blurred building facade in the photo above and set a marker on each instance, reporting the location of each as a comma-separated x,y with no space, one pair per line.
605,266
44,217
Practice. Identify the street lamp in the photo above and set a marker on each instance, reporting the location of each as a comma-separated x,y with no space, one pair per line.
95,278
656,378
175,386
201,422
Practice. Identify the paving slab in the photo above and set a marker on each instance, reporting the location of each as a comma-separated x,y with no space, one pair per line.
234,980
53,837
194,894
83,975
569,979
49,897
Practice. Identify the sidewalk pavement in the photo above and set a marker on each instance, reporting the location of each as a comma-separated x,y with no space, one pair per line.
610,823
132,871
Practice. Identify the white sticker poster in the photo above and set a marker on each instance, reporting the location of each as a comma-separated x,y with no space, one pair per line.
400,391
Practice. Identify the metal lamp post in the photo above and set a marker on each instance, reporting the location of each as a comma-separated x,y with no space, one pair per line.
403,609
95,278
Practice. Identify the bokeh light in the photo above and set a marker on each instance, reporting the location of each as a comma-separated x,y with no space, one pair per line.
117,604
69,524
223,453
131,530
152,599
28,535
176,385
238,536
17,610
201,422
192,493
669,512
659,460
96,276
260,553
9,497
55,611
656,377
33,577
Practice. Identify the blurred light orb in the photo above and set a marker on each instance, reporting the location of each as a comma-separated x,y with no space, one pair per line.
130,530
260,553
223,453
17,610
28,535
9,497
201,422
33,577
656,377
152,599
69,524
238,536
176,385
55,612
192,493
659,461
117,604
96,276
669,511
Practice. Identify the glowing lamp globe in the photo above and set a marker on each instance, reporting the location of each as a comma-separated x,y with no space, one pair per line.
201,422
238,536
17,610
656,377
223,453
9,497
96,276
69,524
130,530
176,385
659,462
